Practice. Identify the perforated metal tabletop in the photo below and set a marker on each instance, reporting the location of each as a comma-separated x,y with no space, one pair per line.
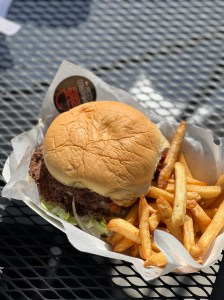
169,55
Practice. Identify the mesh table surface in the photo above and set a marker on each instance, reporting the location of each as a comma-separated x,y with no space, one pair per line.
169,55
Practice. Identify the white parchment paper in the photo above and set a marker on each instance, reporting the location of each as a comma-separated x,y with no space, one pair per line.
205,159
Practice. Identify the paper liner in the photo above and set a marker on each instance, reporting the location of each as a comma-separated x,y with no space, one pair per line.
205,159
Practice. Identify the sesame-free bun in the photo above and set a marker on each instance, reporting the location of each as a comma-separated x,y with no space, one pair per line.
105,146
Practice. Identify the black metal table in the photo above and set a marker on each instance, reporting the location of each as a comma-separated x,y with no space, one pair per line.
169,55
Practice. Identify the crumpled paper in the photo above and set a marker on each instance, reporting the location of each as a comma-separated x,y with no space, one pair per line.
205,159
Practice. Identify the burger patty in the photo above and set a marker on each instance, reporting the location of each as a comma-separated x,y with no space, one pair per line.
87,202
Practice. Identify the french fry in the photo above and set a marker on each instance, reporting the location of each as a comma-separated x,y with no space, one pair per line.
180,199
134,250
117,237
154,220
144,228
182,160
156,260
200,217
125,228
155,193
152,208
190,180
131,217
205,192
218,201
191,204
210,233
188,232
209,202
211,212
197,231
166,213
193,196
140,251
123,245
172,155
154,247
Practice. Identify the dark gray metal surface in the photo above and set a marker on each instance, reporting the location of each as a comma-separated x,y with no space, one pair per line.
169,55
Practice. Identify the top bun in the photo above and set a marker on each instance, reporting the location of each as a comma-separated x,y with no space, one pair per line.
105,146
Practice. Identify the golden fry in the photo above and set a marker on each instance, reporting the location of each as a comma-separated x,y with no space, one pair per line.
182,160
154,247
211,212
155,193
209,202
134,250
218,201
172,155
193,196
131,217
188,232
200,217
180,198
123,245
190,180
144,228
166,213
154,220
204,191
140,251
156,260
210,233
125,228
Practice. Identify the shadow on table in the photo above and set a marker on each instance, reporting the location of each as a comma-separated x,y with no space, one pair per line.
6,60
50,13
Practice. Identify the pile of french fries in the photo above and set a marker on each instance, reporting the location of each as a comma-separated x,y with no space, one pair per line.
189,209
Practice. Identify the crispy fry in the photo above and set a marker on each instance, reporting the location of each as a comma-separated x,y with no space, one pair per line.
190,180
182,160
131,217
205,192
155,193
140,251
191,204
156,260
180,199
144,228
123,245
211,212
172,155
151,206
220,181
218,201
125,228
154,220
154,247
210,233
193,196
117,237
209,202
166,213
134,250
200,217
197,231
188,232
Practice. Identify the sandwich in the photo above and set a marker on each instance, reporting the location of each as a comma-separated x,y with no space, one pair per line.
96,160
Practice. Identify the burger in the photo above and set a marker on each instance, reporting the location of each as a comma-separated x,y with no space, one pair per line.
95,160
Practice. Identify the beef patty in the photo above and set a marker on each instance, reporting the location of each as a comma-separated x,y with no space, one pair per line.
87,202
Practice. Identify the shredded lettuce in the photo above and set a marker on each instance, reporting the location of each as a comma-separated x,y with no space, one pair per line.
90,224
87,223
59,212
